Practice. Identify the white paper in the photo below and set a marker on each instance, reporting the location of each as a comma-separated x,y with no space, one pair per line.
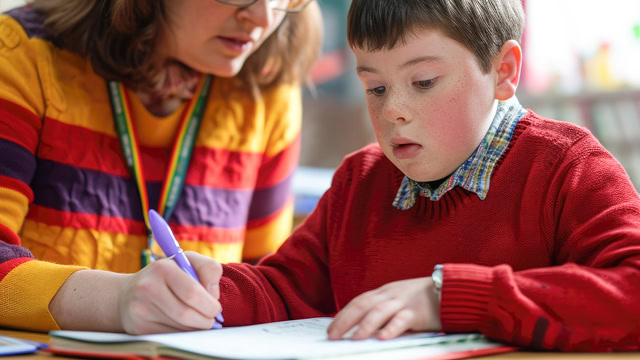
295,339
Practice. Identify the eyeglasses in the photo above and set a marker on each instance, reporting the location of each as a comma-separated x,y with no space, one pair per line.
290,6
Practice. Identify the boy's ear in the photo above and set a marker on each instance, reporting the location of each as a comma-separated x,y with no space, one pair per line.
508,64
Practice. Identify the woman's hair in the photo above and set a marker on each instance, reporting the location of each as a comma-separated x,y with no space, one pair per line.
482,26
120,39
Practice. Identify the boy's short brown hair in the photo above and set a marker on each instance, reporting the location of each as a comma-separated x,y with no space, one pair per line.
482,26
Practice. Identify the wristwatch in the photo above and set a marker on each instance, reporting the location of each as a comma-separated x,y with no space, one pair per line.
437,279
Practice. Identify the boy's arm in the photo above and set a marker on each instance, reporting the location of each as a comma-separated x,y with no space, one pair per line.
292,283
590,301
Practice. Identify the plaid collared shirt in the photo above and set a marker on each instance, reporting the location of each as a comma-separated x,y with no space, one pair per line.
475,174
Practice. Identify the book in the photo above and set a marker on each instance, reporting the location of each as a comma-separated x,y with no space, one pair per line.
295,339
13,346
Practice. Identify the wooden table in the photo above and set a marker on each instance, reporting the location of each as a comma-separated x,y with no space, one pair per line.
520,355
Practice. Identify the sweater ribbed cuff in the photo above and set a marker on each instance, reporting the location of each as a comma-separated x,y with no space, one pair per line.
26,291
466,290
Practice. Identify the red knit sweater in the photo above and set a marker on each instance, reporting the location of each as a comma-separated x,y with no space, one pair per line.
550,259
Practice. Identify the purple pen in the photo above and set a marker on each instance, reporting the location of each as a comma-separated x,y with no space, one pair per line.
169,245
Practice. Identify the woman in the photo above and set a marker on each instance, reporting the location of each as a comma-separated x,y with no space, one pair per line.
110,108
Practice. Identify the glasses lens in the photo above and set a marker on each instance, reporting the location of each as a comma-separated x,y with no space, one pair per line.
237,2
284,5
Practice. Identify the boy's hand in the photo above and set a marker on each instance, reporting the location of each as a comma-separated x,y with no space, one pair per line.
163,298
390,310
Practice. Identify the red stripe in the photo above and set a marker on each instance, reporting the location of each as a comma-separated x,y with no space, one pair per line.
207,234
19,125
280,167
7,266
16,185
209,167
130,227
223,169
472,353
9,236
85,221
100,152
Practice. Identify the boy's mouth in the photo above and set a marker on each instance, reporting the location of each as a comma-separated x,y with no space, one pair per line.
405,148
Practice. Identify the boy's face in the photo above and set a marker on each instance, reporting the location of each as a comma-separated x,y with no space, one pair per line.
429,102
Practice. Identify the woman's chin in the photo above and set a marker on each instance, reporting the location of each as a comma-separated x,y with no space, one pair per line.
225,70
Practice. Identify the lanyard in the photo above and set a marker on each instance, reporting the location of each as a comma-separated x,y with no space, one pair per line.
180,155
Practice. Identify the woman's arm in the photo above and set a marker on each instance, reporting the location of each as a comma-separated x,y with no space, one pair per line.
159,298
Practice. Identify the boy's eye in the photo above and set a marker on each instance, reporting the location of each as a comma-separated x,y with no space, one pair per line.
425,84
377,91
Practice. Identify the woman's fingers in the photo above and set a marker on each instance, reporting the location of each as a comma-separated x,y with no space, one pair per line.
162,293
209,271
196,313
187,289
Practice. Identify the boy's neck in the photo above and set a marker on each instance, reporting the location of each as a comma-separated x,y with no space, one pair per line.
436,183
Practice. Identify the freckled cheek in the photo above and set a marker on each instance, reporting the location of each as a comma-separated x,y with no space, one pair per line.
448,123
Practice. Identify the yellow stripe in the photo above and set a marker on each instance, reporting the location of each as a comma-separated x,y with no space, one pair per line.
268,238
84,247
25,294
13,208
283,122
19,68
235,121
223,253
111,251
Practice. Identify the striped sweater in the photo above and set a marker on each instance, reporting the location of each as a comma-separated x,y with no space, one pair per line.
66,191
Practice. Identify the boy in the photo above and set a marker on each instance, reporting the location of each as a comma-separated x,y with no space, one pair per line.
532,226
536,225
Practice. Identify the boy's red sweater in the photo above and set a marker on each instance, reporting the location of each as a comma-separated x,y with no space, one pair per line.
550,259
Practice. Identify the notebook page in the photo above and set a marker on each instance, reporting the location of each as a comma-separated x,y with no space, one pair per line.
296,339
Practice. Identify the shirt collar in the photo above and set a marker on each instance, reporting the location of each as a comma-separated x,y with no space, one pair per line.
474,174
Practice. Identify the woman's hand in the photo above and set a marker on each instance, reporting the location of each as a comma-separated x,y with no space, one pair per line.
390,310
159,298
163,298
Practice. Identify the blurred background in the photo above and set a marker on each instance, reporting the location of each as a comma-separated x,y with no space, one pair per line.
581,65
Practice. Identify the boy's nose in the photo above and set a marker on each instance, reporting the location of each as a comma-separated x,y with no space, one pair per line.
395,110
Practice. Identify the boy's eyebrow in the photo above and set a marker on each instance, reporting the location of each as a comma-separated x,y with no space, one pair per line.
419,60
411,62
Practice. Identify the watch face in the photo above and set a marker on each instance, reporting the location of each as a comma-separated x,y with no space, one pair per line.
437,277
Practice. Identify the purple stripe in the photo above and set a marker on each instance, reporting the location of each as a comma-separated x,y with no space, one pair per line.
71,189
8,252
267,201
32,23
16,161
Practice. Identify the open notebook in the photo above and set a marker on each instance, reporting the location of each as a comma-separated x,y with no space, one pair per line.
296,339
